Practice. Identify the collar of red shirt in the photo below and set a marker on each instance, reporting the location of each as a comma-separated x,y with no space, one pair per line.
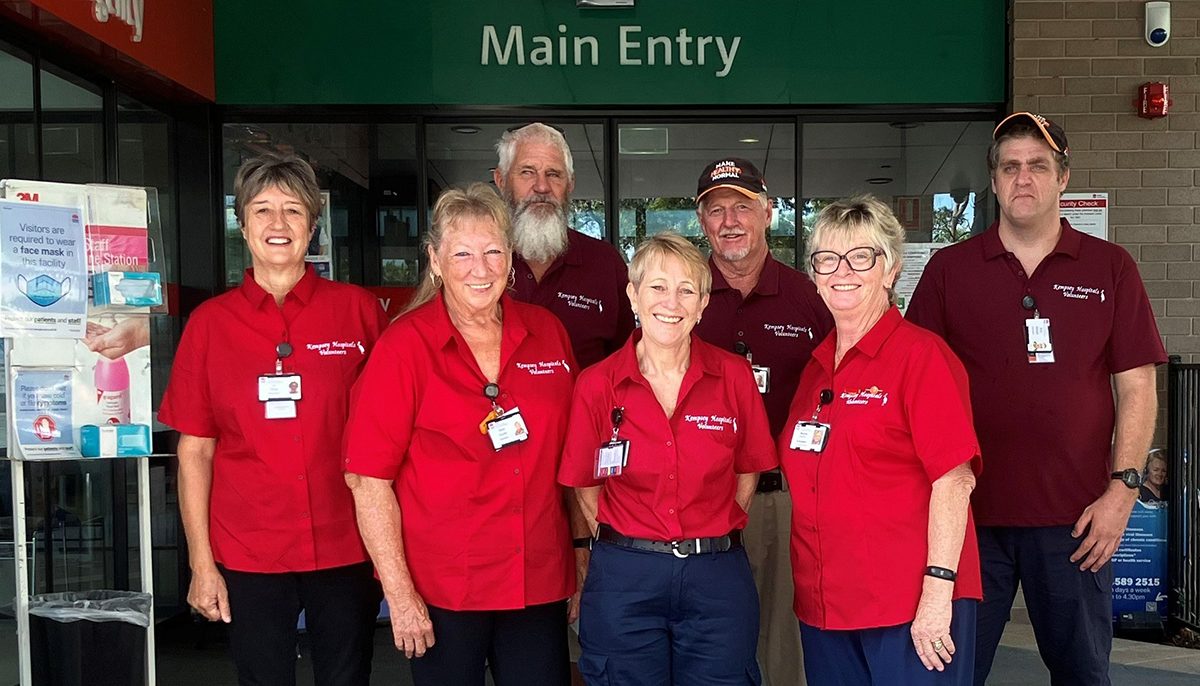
768,279
303,290
513,329
868,345
700,361
1068,242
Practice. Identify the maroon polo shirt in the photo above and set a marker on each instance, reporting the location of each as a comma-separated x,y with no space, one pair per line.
585,289
1045,429
899,419
279,502
681,477
781,321
483,529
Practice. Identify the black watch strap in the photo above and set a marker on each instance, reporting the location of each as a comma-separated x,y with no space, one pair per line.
941,573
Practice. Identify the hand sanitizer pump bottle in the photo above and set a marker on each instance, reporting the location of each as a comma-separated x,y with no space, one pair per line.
112,390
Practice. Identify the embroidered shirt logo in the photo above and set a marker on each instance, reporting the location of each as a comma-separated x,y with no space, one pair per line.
711,422
544,367
336,348
864,396
1078,292
581,302
789,330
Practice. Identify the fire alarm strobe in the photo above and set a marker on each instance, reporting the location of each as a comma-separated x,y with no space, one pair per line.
1153,100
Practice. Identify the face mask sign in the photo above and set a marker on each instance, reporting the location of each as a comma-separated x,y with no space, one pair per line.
43,290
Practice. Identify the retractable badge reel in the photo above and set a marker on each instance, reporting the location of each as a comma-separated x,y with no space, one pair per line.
762,374
812,435
612,457
503,427
279,392
1038,346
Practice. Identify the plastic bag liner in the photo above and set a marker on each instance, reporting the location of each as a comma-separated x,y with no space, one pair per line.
93,606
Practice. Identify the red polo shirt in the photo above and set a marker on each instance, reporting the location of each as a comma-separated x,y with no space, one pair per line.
585,289
781,321
483,529
899,420
279,502
1045,429
681,478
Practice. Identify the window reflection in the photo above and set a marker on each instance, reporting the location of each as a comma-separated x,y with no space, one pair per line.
72,129
18,155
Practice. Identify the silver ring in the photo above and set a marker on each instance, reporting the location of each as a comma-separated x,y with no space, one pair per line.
938,645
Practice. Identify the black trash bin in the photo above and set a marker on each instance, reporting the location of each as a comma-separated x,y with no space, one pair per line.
89,638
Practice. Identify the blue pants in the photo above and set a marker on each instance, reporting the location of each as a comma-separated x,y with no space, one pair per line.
659,620
886,656
1070,610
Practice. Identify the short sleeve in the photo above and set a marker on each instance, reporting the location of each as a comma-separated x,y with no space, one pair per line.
383,409
937,404
186,404
926,308
584,432
756,445
1135,340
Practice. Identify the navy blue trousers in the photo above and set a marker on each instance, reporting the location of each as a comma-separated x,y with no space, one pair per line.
659,620
886,656
1070,610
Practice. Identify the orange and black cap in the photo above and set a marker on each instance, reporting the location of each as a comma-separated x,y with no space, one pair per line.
731,172
1052,132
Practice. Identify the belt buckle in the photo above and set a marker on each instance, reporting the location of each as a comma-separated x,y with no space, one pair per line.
675,548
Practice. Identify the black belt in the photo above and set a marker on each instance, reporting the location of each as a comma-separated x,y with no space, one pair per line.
688,546
770,482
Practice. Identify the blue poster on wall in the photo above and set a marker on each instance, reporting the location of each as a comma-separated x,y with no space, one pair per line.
1140,564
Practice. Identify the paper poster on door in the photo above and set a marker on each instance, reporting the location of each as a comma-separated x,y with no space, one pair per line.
42,412
43,271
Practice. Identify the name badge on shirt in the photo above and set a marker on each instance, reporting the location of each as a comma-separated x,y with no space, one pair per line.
810,436
507,429
1037,340
279,387
280,409
762,377
611,458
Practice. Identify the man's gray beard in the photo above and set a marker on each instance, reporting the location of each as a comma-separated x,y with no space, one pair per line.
540,237
734,256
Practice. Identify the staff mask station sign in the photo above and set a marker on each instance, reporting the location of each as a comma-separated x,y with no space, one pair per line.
43,271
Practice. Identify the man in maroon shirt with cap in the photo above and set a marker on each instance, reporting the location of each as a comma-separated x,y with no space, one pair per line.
771,314
1048,322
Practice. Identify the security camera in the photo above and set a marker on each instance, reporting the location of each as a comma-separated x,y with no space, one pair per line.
1158,23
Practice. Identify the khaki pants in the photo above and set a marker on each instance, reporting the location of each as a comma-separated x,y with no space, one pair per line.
767,541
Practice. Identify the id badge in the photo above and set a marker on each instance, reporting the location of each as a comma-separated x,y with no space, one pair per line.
507,429
280,409
1037,340
762,377
611,459
279,387
810,436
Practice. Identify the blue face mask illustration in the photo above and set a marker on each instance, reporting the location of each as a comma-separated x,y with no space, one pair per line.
43,290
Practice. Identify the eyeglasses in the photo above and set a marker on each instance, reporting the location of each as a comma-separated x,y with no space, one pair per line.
862,259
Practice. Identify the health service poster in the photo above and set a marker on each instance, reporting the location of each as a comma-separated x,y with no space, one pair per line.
43,271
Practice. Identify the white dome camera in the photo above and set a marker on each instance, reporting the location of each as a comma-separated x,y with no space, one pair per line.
1158,23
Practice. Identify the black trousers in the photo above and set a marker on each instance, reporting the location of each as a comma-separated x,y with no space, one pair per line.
340,606
521,647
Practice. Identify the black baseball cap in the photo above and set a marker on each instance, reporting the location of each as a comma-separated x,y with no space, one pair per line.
1052,132
731,172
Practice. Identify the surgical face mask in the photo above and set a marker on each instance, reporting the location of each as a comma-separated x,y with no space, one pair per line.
43,290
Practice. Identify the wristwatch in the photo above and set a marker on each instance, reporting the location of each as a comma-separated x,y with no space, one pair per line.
1132,478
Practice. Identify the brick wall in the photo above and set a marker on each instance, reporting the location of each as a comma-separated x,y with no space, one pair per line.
1080,63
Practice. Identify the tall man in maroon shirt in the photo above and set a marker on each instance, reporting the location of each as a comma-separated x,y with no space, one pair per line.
578,278
771,314
1048,322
